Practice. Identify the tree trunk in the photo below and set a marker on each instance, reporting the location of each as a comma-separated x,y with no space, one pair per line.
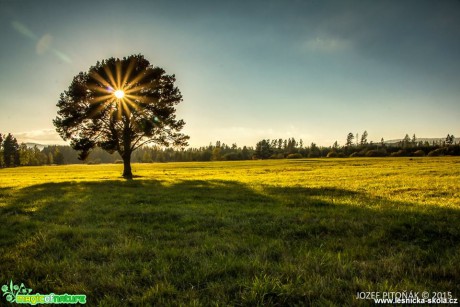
127,174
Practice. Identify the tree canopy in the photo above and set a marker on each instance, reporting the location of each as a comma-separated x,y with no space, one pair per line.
120,105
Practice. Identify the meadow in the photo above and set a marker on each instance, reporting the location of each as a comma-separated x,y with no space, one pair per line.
251,233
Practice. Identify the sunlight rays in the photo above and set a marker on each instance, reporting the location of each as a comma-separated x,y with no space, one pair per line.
118,74
128,72
117,89
110,76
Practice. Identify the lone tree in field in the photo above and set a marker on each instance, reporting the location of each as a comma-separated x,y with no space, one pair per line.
120,105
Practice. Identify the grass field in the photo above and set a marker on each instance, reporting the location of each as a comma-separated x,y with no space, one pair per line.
284,232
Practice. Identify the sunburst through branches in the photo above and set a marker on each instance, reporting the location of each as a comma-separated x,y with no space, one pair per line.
117,88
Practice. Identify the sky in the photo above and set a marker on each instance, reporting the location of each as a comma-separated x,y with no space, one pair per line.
248,70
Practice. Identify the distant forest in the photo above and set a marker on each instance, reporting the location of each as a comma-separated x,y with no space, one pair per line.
14,154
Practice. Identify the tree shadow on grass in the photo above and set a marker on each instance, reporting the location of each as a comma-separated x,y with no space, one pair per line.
152,242
401,221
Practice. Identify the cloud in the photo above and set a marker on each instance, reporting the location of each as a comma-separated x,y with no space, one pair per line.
43,136
327,45
43,44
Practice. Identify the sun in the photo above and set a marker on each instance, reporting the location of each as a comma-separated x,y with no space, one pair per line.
119,94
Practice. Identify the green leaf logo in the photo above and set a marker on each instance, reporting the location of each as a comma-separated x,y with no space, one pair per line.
12,290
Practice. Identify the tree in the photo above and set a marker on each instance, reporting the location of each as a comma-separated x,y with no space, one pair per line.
406,141
414,140
216,154
245,153
24,154
291,146
38,158
450,139
58,156
335,146
10,151
280,144
364,138
263,150
314,151
350,138
120,105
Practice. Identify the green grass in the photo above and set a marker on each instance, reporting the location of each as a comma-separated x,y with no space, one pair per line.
290,232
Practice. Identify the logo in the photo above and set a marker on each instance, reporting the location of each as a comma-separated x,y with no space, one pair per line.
22,295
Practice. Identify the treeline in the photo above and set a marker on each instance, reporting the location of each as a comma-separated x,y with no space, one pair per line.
14,154
356,146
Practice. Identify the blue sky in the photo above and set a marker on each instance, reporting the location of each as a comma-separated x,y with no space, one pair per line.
248,70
